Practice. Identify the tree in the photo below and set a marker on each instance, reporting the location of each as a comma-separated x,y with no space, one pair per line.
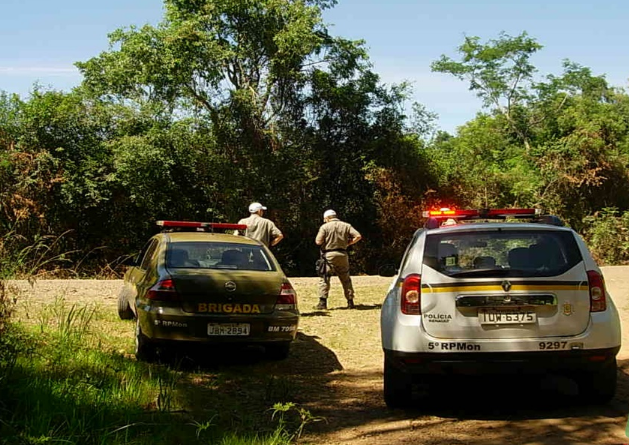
500,73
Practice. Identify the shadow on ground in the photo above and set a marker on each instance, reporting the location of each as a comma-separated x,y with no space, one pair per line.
544,409
502,409
326,313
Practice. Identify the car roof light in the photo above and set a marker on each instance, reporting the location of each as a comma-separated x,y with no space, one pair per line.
449,213
437,215
201,226
482,213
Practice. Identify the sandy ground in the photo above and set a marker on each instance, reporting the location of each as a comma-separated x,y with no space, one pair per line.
338,358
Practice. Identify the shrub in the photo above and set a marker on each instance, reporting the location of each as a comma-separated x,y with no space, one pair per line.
607,234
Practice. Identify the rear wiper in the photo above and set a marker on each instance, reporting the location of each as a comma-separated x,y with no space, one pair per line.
482,273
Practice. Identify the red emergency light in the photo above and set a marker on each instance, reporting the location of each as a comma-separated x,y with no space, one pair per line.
482,213
200,225
449,213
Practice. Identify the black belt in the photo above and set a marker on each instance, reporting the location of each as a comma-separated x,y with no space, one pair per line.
335,250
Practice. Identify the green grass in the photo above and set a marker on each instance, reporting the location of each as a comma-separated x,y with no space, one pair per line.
65,378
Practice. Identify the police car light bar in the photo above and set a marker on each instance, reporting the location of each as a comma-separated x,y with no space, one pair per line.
201,225
449,213
483,213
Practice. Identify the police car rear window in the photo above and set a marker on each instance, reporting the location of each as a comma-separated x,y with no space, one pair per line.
502,253
201,255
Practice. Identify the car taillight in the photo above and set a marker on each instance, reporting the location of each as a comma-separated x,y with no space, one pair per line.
598,301
411,295
163,290
287,299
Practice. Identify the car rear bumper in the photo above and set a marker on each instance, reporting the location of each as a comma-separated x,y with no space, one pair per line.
265,328
501,362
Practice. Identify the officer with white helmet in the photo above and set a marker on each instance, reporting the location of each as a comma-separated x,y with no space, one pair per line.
259,228
334,237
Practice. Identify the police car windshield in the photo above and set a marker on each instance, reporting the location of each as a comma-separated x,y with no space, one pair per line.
502,253
203,255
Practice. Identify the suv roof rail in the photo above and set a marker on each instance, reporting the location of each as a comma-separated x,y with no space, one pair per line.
448,217
196,226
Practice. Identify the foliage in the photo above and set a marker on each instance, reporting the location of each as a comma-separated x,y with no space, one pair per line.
607,233
268,106
499,72
561,143
227,102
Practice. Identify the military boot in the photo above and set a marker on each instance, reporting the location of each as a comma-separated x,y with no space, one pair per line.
323,304
350,304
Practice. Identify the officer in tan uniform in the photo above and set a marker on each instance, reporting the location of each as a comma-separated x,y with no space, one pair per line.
259,228
334,237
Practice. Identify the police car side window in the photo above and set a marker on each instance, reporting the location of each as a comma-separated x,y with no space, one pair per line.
148,254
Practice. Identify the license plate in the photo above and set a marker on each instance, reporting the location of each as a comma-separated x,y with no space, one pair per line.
506,316
228,329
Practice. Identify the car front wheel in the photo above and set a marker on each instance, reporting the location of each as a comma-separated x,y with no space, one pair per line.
397,386
144,350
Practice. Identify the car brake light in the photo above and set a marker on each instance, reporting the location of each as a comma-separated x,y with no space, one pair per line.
411,295
598,300
163,290
287,299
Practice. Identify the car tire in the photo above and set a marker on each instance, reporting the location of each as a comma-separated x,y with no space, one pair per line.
397,387
277,351
598,387
144,350
124,309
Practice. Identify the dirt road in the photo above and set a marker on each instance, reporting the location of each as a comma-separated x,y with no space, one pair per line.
336,366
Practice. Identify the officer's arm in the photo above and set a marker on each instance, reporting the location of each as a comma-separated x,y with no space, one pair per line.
237,232
320,237
355,239
354,236
276,235
277,239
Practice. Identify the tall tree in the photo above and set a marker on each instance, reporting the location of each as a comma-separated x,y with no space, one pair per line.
500,73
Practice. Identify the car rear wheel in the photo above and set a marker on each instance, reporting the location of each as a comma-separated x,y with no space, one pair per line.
397,386
124,309
598,387
144,350
277,351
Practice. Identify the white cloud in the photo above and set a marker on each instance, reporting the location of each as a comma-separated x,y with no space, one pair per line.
38,70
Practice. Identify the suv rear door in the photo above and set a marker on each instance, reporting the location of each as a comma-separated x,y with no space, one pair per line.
503,281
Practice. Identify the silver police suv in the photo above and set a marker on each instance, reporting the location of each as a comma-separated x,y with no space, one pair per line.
485,291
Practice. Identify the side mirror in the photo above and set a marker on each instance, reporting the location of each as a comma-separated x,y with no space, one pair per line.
387,270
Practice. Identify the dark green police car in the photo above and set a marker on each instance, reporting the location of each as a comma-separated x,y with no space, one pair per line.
192,285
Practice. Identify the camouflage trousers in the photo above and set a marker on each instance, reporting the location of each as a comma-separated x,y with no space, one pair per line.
340,267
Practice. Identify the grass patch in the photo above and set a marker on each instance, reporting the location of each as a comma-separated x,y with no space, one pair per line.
64,378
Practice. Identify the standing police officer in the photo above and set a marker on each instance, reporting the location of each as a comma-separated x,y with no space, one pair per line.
334,237
259,228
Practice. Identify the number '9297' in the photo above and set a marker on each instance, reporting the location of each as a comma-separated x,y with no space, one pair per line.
552,345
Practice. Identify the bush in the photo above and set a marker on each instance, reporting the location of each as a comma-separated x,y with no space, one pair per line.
607,234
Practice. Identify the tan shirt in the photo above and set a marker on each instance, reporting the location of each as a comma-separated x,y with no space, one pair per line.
260,228
335,234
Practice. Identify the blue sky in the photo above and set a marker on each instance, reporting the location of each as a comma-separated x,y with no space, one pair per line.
41,39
